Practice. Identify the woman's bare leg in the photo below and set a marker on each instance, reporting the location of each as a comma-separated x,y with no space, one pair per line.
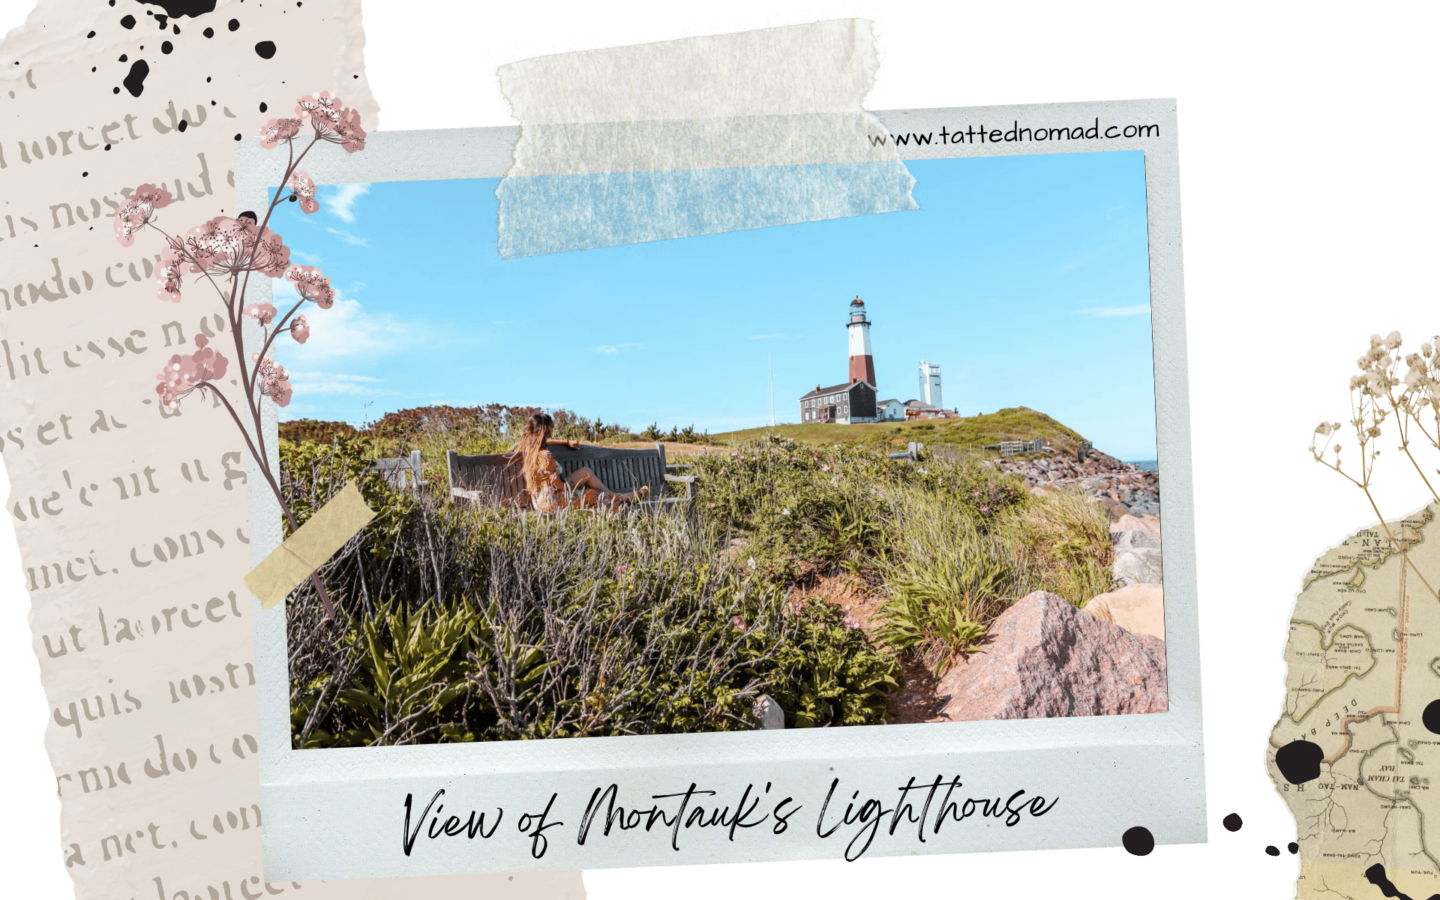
584,478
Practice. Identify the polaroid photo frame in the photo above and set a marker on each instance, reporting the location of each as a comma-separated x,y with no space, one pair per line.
762,795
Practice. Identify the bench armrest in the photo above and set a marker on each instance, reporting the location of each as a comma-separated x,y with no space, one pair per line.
688,480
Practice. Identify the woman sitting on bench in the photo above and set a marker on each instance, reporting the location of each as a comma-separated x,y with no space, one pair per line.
548,491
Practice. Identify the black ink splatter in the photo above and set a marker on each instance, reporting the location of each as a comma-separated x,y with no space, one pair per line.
237,137
1232,822
177,8
209,32
1272,850
117,90
249,214
1299,761
107,146
1431,717
84,174
1376,876
1138,840
182,126
163,20
127,22
135,81
166,47
264,107
175,28
124,57
265,49
90,35
234,25
1293,848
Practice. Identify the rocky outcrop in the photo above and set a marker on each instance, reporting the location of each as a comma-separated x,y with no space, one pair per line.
1137,608
1122,488
1045,658
1137,550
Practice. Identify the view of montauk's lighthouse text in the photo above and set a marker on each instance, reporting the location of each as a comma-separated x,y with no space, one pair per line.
670,533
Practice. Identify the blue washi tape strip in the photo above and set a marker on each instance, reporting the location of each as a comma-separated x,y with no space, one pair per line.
542,214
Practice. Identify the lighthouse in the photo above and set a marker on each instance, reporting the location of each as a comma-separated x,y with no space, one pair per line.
862,364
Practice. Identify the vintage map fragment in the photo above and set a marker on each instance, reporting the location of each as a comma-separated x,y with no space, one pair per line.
1363,661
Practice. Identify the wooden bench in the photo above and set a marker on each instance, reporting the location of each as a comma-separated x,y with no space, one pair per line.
399,471
496,478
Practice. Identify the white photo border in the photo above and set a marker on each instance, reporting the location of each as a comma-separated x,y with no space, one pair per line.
339,813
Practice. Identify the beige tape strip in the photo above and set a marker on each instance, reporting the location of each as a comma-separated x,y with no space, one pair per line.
304,551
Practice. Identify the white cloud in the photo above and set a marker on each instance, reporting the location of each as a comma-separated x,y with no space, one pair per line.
327,384
612,349
1111,312
346,329
341,201
349,238
309,259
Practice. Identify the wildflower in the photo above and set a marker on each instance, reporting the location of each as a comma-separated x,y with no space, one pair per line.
264,313
824,468
1392,340
299,329
277,130
1327,428
311,284
168,274
738,622
751,562
785,511
274,380
332,121
183,374
984,508
304,187
850,621
224,246
137,211
620,570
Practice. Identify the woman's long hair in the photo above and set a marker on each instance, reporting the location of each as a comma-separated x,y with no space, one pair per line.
532,445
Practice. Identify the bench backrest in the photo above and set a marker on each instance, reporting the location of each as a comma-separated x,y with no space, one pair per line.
399,471
497,477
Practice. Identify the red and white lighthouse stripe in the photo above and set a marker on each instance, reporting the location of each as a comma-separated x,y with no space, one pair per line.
862,363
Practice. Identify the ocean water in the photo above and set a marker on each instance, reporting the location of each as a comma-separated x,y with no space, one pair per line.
1145,465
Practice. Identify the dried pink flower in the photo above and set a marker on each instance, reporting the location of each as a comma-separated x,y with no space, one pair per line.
300,329
304,187
332,121
311,284
137,210
168,274
277,130
224,246
274,380
264,313
183,374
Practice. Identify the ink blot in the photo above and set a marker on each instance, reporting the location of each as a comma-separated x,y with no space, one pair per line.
209,32
1138,840
135,81
1299,761
177,8
1232,822
263,107
166,47
248,214
127,22
182,126
1293,847
1431,717
234,25
265,49
237,137
90,35
1272,850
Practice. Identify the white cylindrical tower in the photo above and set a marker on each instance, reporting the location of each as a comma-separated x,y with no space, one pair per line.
930,384
862,364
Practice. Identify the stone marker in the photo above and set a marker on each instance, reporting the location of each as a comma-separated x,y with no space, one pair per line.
768,712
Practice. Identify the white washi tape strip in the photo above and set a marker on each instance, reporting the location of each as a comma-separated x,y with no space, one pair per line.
696,136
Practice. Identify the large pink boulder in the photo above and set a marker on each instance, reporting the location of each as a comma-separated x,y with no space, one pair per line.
1046,658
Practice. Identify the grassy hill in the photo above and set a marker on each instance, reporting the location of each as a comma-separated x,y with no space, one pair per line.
1017,423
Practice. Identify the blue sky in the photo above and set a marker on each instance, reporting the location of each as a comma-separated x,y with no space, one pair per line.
1025,278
